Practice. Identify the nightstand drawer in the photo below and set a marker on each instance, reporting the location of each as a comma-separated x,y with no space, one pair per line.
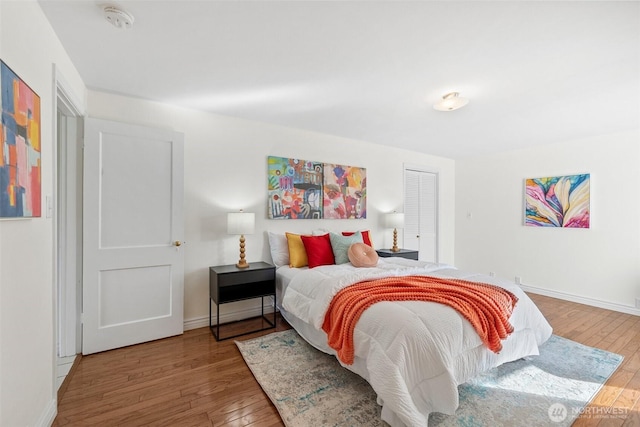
243,291
228,283
232,279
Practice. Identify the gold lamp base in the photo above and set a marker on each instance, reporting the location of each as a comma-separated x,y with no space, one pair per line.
242,263
395,247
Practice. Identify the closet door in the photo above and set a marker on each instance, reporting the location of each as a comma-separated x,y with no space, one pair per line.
421,213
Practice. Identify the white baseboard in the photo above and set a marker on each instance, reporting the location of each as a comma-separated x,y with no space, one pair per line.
49,414
203,321
582,300
195,323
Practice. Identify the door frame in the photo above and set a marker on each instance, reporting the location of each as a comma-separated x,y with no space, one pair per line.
66,304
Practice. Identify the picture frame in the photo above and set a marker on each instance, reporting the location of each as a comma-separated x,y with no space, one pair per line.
558,201
307,189
20,148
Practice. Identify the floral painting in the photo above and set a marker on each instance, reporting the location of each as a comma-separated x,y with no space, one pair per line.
20,167
305,189
345,191
560,201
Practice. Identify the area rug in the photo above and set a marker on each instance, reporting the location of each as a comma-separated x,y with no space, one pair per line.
310,388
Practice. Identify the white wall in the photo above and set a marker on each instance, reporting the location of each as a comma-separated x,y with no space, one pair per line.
27,359
600,265
226,168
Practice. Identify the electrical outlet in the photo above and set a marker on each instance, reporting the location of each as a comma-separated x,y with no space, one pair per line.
492,274
518,281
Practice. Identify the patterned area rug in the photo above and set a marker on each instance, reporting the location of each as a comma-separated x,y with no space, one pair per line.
310,388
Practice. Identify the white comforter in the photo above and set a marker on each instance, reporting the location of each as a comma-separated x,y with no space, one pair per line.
414,354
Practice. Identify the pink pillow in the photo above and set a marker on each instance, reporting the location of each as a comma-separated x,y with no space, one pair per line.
366,236
362,255
319,250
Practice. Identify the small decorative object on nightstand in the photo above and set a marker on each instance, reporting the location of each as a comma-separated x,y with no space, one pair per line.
229,283
241,223
403,253
394,220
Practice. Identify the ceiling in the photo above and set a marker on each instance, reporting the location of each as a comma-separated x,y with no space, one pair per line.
534,72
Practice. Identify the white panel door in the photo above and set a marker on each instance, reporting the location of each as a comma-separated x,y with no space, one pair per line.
133,268
421,213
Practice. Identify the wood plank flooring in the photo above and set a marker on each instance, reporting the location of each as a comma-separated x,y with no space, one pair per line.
193,380
617,403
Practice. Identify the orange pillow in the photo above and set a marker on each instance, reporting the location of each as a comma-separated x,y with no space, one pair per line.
362,255
319,251
297,252
366,236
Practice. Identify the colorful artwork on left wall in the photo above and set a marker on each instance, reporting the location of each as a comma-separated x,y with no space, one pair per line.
305,189
20,168
558,201
295,188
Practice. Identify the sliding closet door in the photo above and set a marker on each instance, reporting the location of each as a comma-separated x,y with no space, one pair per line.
421,213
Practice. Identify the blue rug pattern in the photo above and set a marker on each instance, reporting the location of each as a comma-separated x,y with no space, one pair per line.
551,389
310,388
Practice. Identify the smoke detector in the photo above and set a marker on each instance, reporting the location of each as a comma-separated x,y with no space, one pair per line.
118,18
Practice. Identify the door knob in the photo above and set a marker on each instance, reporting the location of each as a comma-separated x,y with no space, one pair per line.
177,243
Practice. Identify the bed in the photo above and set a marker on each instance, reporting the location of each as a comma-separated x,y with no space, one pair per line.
413,353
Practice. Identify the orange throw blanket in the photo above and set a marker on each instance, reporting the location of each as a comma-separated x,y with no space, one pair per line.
487,307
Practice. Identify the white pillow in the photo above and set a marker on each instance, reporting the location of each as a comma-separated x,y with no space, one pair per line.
279,248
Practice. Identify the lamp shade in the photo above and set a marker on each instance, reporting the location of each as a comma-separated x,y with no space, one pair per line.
394,220
241,222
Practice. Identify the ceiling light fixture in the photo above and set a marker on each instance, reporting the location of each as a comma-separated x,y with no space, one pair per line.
450,102
118,18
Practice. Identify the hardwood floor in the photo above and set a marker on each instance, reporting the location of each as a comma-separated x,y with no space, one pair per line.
617,403
193,380
188,380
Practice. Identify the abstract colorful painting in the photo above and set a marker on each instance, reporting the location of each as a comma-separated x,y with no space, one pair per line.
345,192
20,168
560,201
305,189
295,188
